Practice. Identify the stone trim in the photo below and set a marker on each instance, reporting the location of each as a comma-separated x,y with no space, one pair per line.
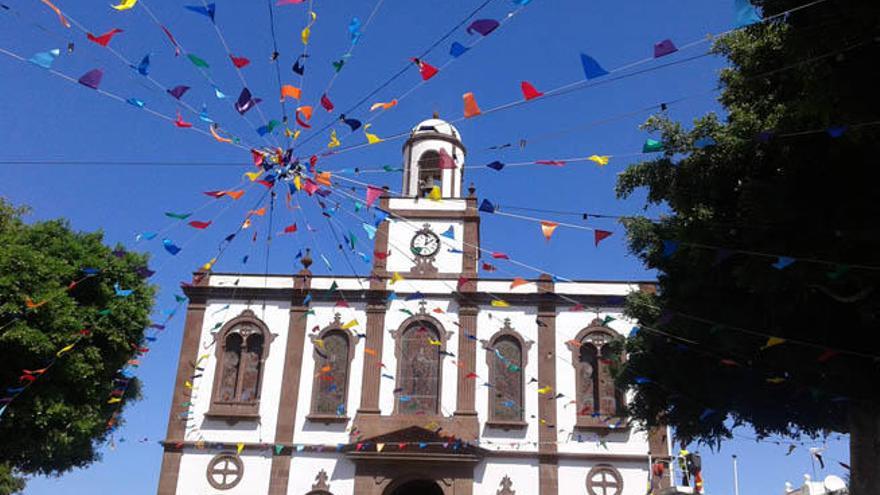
372,375
189,348
589,422
547,434
290,381
465,400
238,410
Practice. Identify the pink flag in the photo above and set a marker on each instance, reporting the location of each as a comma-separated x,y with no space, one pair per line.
373,193
446,161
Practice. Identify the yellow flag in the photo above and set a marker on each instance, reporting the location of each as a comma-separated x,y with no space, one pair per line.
435,194
435,342
297,182
306,33
125,4
334,141
772,341
379,447
64,350
545,390
498,303
599,159
114,400
396,278
240,447
253,175
319,343
187,384
202,358
351,324
371,138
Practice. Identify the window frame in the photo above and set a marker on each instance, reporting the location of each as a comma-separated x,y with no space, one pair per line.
434,169
591,422
333,327
238,409
444,337
489,346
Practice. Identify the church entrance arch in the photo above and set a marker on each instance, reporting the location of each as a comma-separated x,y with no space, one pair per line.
414,487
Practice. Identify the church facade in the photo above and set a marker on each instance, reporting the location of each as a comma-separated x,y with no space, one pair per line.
425,378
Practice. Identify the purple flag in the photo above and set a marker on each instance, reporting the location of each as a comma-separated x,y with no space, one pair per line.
483,26
245,101
92,78
178,91
663,48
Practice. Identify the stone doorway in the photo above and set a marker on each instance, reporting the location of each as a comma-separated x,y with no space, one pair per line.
415,487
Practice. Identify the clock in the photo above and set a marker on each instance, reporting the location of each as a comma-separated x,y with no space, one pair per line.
425,243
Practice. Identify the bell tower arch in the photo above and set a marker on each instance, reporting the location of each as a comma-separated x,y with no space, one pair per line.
433,156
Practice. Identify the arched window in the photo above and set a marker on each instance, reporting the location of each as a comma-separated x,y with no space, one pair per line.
598,398
421,342
242,348
506,356
333,352
429,171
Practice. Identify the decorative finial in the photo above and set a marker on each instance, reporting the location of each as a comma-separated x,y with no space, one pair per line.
306,260
472,190
436,114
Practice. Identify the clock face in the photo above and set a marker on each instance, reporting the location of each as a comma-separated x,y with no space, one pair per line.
425,243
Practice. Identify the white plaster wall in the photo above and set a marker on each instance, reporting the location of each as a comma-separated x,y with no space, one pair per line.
503,287
311,432
305,466
428,205
595,288
522,472
489,321
573,475
343,283
394,318
271,282
413,285
400,234
192,478
275,314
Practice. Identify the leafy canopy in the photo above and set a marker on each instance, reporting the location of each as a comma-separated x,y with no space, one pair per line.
777,182
60,421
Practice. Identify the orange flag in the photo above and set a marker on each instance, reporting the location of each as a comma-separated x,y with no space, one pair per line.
260,212
290,91
305,111
548,228
470,105
218,137
383,105
517,282
324,179
234,194
58,13
32,305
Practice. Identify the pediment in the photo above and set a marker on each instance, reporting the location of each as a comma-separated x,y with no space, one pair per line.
415,442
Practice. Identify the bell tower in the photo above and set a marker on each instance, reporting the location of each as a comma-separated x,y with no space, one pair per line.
433,225
433,156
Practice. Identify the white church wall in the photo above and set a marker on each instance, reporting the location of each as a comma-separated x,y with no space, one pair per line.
192,478
427,204
523,474
304,468
503,287
595,288
271,282
489,321
573,475
400,234
275,314
342,283
313,432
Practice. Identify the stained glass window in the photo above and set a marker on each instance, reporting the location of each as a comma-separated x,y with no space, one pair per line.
587,389
331,375
419,370
506,376
231,365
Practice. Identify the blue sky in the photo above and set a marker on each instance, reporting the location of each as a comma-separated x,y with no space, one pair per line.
46,118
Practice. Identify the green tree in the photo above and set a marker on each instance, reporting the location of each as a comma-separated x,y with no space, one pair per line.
60,421
784,177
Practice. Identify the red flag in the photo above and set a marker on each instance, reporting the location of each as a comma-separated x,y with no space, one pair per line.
326,103
257,156
446,161
199,225
425,69
266,183
290,229
239,62
489,268
555,163
214,194
173,41
500,256
301,123
180,123
598,235
381,256
105,38
529,91
471,375
464,280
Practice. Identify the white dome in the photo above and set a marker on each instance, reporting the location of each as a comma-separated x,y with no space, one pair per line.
437,126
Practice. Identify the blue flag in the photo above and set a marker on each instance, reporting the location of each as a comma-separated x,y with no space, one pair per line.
592,69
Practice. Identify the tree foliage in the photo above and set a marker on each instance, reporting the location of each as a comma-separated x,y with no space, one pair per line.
60,421
777,183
